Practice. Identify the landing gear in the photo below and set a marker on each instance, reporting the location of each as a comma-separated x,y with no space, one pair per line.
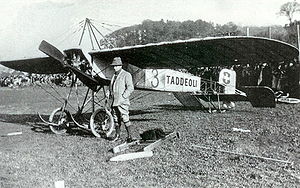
67,116
60,121
101,123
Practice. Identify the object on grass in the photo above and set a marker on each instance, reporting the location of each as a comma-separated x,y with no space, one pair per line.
150,143
59,184
153,134
241,130
288,100
153,145
134,155
12,134
242,154
147,151
124,146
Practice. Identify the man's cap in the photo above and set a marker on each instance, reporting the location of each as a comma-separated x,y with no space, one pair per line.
116,62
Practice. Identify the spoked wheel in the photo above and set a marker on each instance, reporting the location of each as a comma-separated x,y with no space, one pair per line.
102,123
60,118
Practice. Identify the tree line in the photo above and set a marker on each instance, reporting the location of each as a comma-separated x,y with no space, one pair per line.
158,31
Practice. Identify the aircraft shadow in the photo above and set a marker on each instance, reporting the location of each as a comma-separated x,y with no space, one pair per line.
26,119
38,126
141,112
177,107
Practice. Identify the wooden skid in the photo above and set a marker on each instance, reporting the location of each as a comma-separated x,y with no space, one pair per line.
47,122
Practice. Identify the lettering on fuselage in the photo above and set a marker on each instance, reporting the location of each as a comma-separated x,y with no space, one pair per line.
171,80
181,81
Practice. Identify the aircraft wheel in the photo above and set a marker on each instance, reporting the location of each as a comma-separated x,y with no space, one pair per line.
102,123
60,118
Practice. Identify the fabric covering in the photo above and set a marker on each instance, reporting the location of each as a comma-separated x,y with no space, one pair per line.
191,53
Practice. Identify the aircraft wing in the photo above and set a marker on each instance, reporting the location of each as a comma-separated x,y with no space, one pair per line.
215,51
42,65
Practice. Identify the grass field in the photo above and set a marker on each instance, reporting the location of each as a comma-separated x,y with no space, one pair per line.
38,158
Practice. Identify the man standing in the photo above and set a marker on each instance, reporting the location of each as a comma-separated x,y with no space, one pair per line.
120,88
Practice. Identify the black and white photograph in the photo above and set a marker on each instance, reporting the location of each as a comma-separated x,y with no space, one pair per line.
149,93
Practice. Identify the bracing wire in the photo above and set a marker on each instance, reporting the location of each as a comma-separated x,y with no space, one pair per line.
66,34
58,99
90,25
111,25
102,36
108,29
69,36
56,91
91,38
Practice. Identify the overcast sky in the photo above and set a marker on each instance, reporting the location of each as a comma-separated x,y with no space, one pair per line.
24,23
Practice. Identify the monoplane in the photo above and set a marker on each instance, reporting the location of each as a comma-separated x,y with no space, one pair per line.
158,67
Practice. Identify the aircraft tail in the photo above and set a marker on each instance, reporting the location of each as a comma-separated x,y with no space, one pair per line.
260,96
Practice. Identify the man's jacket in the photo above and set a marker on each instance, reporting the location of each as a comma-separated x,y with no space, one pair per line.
121,86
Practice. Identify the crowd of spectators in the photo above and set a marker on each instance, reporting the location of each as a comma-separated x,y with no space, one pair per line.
283,76
24,79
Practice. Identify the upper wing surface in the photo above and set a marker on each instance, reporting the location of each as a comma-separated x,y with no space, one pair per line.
217,51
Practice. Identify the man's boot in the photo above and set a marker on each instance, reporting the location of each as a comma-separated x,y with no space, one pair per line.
128,129
117,135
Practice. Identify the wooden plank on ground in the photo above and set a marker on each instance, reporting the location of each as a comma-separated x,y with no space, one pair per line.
153,145
242,154
130,156
124,146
